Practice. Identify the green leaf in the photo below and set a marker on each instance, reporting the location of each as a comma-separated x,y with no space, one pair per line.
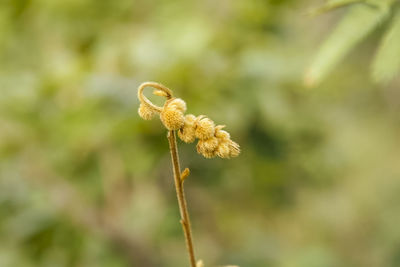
333,4
358,22
387,60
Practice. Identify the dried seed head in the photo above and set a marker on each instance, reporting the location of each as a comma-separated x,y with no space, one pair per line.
146,112
205,128
187,132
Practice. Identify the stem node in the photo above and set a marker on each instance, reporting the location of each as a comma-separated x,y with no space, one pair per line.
185,174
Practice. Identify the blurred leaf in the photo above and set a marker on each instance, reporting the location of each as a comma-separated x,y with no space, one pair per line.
354,27
333,4
387,61
338,3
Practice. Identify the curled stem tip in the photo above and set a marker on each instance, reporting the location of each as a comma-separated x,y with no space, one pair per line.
160,88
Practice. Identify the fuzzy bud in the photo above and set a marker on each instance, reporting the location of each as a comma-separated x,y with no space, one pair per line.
221,134
145,112
223,150
205,128
172,115
178,104
172,119
234,149
187,132
226,147
207,147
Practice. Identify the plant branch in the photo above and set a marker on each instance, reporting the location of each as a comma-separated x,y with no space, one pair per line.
143,99
185,221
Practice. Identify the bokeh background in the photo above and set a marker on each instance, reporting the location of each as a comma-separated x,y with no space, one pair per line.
84,181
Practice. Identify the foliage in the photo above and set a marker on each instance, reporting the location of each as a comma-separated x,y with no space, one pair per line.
362,18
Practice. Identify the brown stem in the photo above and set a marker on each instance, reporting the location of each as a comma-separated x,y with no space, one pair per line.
185,221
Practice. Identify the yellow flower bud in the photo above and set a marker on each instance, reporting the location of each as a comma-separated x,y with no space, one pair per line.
172,119
223,150
234,149
205,128
187,132
172,115
209,144
207,147
145,112
221,134
178,104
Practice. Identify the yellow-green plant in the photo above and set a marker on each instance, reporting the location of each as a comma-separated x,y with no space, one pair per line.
212,142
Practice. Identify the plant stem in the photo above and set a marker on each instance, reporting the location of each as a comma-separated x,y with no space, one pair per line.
185,221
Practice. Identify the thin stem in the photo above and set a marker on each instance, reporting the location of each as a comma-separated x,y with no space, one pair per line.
143,99
185,221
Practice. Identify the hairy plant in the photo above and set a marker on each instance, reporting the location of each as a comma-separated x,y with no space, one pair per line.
212,142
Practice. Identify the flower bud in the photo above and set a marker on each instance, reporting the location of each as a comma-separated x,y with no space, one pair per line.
179,104
145,112
187,132
209,144
221,134
205,128
234,149
223,150
207,147
172,115
172,119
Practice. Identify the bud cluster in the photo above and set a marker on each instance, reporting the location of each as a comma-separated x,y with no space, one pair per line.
213,141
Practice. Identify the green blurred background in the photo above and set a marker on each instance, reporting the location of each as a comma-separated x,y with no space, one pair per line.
84,181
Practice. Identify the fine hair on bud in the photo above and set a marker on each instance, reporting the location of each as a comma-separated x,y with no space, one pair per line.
234,149
179,104
187,132
208,145
205,128
146,112
172,119
223,150
221,134
172,114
